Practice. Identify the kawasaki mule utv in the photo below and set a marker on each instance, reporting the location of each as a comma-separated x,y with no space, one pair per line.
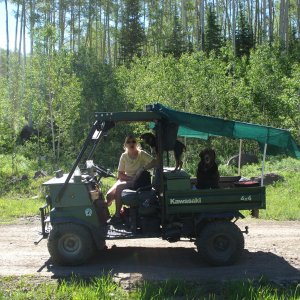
75,215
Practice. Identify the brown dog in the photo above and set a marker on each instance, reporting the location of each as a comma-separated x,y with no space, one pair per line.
207,173
179,148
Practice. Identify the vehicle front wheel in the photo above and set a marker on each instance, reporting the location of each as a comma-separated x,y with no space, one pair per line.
70,244
220,243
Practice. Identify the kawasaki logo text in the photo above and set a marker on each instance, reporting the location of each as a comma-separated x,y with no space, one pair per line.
185,201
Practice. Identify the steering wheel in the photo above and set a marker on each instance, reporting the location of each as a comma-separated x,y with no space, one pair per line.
103,172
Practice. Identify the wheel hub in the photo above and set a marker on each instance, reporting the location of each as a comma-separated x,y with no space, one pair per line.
70,243
221,243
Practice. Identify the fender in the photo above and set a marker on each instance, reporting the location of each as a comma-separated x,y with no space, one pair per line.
223,215
98,233
202,218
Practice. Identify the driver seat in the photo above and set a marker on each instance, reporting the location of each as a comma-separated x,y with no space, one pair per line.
141,203
140,198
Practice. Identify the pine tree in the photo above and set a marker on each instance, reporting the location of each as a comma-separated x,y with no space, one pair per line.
212,40
176,43
132,35
244,35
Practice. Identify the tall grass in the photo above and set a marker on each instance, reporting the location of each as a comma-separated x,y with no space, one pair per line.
104,287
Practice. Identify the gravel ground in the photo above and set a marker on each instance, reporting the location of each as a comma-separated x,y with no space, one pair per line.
272,250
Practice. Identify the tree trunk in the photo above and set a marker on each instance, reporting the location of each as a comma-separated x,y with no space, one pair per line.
286,22
7,39
264,19
281,20
233,25
96,28
53,22
162,14
271,21
24,33
79,24
202,23
61,23
104,38
108,32
72,27
116,29
227,20
256,22
17,25
100,40
183,16
32,23
20,36
196,29
88,39
298,18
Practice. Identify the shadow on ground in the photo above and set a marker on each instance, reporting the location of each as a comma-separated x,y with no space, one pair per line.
177,263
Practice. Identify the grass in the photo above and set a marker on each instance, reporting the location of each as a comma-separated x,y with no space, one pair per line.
12,209
22,200
30,287
283,197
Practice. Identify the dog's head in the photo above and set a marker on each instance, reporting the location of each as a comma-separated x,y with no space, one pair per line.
208,157
149,139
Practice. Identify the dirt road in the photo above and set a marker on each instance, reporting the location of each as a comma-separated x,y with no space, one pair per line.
272,251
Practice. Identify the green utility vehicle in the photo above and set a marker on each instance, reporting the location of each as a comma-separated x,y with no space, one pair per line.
75,216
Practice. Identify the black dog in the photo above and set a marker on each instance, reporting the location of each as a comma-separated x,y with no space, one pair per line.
179,148
207,174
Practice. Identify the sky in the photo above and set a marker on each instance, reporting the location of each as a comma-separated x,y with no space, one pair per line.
11,26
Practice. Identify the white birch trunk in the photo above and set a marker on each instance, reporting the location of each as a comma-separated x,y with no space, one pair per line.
271,21
233,25
17,25
202,17
298,17
286,22
7,39
281,20
264,19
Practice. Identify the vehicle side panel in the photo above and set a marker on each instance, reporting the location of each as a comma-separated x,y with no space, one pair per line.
215,200
86,213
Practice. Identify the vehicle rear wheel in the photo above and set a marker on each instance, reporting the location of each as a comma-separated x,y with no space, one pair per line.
70,244
220,243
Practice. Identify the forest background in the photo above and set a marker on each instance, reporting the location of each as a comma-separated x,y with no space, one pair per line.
234,59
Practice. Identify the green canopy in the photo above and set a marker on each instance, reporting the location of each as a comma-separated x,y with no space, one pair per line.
200,126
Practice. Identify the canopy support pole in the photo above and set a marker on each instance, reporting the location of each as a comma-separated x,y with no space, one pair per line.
263,166
240,158
255,212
